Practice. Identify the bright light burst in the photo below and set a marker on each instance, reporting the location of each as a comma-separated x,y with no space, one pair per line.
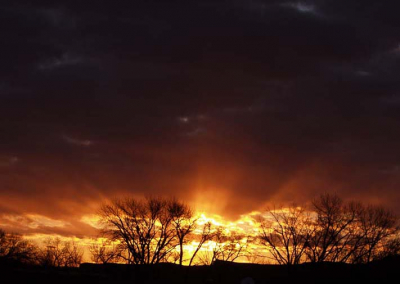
245,228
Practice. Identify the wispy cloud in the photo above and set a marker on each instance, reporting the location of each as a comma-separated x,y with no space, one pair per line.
303,8
77,142
92,220
196,132
184,119
65,59
31,221
363,73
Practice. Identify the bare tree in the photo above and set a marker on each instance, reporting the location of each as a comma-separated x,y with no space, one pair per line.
391,247
60,254
206,235
52,254
348,232
72,254
348,238
286,233
229,246
374,225
13,247
183,223
146,228
225,246
333,228
106,252
205,258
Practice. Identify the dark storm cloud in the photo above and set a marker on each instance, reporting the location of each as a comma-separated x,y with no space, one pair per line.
262,100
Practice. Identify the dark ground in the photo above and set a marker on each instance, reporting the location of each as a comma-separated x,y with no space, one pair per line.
385,271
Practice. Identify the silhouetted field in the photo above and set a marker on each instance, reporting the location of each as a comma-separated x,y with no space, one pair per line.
220,272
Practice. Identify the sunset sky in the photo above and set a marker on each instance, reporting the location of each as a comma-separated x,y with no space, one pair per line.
227,105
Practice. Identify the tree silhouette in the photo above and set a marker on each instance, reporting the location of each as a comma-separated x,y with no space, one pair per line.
14,248
183,223
229,246
106,252
150,229
390,247
57,253
349,232
286,233
375,225
206,235
333,230
225,246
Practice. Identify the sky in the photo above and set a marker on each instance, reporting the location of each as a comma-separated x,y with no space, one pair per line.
227,105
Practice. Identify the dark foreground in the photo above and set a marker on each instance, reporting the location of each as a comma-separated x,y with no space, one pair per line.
379,272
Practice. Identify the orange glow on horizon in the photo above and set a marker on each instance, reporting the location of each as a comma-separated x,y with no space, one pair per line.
245,227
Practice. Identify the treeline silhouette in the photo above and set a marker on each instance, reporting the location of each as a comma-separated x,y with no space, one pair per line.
157,230
165,230
329,230
14,250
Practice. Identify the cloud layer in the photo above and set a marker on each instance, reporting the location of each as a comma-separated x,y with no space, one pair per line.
226,104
